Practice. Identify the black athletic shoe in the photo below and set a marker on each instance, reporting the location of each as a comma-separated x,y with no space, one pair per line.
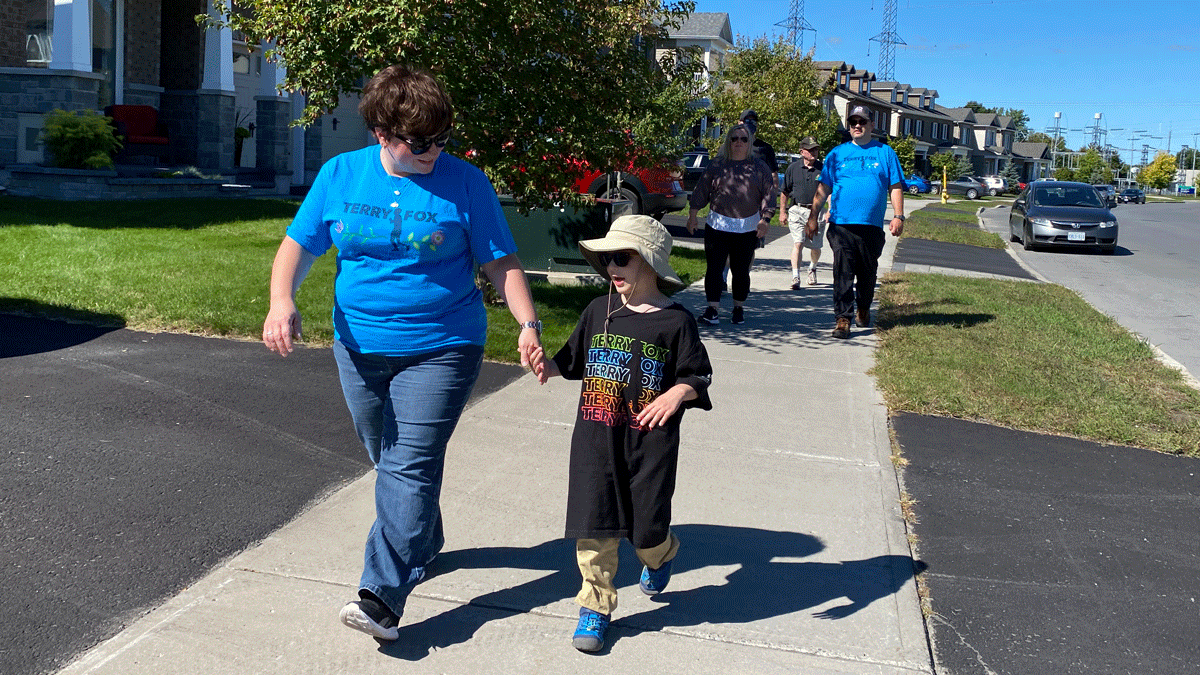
739,316
710,316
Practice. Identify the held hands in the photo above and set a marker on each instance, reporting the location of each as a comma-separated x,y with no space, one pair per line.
280,328
529,342
542,367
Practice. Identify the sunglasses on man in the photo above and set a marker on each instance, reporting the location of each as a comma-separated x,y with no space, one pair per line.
420,146
621,258
858,122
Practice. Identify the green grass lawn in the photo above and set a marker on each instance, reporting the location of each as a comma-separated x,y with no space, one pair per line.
955,222
1029,356
202,266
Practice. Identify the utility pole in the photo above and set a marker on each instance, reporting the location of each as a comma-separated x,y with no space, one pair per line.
888,39
796,26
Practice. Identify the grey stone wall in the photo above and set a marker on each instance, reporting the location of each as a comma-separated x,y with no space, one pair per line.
272,149
79,184
38,91
215,124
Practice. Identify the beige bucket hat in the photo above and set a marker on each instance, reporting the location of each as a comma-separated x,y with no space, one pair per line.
643,234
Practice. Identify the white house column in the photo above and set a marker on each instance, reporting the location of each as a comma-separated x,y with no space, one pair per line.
72,39
218,55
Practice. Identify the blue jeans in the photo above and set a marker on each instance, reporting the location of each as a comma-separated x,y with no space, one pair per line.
404,410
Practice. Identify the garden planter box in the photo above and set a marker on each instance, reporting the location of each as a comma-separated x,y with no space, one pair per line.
547,239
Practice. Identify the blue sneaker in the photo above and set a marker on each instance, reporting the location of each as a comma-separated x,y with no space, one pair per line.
589,632
654,581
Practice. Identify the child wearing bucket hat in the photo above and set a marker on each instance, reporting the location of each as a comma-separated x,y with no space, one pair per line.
642,363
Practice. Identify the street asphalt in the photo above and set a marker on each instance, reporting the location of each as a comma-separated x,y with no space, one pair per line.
177,504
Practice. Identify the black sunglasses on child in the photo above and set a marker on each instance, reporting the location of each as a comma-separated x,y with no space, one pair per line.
621,258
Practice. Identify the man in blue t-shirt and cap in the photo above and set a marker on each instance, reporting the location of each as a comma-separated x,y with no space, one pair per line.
860,176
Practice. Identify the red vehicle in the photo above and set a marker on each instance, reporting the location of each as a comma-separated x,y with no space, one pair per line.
654,192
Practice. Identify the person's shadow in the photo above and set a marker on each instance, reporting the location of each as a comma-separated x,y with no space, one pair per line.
760,587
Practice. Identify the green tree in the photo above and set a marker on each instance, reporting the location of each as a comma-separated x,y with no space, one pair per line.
978,107
1064,173
1039,137
1159,173
905,149
955,165
1011,175
783,86
541,90
1187,159
1093,169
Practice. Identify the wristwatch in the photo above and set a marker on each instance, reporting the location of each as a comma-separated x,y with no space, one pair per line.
900,217
536,325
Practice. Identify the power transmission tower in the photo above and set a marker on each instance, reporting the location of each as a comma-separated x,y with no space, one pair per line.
888,40
796,26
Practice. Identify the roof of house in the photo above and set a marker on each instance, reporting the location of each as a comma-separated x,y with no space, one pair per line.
959,114
705,25
1031,150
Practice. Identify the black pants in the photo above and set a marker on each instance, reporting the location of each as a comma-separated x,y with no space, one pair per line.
738,249
856,251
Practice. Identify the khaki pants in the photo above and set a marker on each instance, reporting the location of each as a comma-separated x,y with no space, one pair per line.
597,560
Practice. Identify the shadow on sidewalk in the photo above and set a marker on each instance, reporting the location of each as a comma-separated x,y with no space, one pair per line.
764,584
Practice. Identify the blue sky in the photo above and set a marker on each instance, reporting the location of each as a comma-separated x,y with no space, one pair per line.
1136,62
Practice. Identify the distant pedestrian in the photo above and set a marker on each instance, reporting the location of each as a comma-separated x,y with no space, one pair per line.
642,363
800,183
859,176
739,190
761,150
410,224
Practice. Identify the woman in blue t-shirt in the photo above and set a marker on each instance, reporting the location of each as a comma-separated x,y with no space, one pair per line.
409,224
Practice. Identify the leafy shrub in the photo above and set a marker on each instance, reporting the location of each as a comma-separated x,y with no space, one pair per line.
80,140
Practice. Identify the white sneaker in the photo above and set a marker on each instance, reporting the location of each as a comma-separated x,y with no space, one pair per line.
812,276
354,616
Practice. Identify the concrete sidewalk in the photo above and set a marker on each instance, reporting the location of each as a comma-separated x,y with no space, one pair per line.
795,556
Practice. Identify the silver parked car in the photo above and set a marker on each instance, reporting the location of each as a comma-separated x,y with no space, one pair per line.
966,186
1062,213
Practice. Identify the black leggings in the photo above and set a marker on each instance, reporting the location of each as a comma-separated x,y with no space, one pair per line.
738,249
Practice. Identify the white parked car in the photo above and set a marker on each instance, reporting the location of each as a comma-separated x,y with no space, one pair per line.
995,185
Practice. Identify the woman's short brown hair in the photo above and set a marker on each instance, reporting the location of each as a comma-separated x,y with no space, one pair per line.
404,101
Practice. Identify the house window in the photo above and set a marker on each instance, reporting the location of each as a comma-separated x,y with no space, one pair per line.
39,27
991,138
907,127
920,127
963,136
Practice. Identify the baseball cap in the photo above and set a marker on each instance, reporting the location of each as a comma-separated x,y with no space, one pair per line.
858,111
749,115
809,143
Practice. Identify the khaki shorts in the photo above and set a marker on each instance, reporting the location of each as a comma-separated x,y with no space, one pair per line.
798,226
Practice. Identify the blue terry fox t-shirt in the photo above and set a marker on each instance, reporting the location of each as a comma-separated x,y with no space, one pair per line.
406,251
860,178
